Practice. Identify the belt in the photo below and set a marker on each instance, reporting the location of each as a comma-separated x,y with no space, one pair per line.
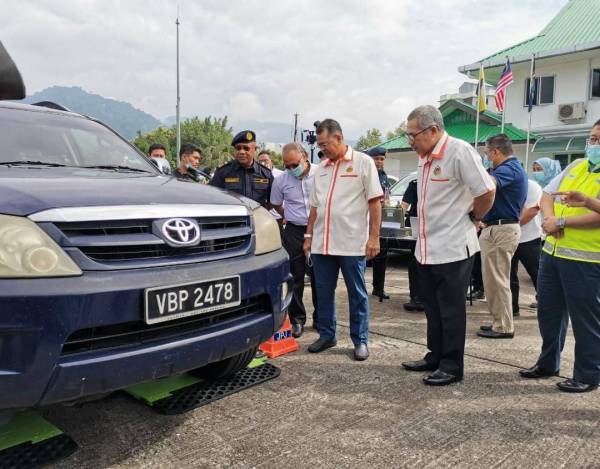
502,221
296,225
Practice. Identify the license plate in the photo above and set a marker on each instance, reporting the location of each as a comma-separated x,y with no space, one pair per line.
179,301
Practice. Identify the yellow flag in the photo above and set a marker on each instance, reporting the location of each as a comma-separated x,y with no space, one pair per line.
481,94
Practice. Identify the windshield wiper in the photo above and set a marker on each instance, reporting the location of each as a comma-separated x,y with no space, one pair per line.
33,163
116,168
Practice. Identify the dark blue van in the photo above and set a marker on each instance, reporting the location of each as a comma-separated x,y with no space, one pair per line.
112,273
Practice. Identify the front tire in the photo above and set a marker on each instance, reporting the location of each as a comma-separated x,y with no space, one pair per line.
227,367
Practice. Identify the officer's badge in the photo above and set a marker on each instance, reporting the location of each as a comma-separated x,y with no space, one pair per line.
249,136
349,169
437,171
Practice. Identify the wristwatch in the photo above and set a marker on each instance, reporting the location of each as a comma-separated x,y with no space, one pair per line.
307,236
561,223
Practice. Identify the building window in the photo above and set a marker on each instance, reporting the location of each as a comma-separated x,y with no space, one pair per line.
596,83
566,160
544,90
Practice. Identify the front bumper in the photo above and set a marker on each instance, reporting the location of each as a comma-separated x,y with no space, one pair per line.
38,315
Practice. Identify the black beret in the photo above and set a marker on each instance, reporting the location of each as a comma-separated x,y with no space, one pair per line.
245,136
377,151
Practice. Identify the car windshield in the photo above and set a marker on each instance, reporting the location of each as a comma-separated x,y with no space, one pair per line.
53,140
400,187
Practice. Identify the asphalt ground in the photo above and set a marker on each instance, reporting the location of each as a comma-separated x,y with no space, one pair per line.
328,411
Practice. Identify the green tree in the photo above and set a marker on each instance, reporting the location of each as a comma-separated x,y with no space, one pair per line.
211,134
370,139
397,132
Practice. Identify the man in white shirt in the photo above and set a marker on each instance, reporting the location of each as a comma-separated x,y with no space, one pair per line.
290,198
455,192
529,249
343,231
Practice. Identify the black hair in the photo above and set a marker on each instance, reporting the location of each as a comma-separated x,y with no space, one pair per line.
500,142
330,125
156,146
188,149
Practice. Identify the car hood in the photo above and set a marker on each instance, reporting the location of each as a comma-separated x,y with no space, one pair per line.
21,194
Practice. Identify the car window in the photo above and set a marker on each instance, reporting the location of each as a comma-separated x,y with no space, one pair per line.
64,140
400,188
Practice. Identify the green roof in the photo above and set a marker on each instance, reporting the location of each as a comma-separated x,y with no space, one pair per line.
576,27
460,122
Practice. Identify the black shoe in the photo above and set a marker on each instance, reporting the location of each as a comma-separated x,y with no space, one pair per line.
419,365
441,378
320,344
535,372
570,385
485,327
380,294
361,352
297,330
477,295
420,306
491,334
533,305
413,305
516,313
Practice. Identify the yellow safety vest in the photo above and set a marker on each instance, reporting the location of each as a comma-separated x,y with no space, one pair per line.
577,244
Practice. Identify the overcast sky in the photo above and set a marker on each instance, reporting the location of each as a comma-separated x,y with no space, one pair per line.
365,63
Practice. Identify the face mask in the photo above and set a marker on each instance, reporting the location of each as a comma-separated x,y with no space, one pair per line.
297,171
539,177
593,153
487,164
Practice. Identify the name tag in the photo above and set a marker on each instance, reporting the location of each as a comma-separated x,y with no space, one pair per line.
232,179
261,180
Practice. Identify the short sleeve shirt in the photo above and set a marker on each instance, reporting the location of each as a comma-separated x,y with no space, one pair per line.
341,193
447,181
532,229
511,191
294,194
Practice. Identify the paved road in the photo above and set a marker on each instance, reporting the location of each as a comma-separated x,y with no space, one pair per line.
328,411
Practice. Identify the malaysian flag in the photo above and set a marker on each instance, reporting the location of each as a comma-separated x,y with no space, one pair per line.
532,92
506,79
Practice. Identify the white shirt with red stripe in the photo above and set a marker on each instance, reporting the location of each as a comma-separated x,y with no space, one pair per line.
448,179
341,193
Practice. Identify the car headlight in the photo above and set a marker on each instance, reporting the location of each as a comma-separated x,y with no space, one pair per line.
267,232
26,251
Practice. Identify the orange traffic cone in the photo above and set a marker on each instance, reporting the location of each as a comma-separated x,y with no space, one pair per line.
282,341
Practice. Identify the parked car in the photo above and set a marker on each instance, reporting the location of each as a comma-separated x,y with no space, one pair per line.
113,274
398,189
393,230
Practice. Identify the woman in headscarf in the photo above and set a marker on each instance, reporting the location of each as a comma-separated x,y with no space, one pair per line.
544,170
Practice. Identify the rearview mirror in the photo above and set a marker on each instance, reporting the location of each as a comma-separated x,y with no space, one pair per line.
11,83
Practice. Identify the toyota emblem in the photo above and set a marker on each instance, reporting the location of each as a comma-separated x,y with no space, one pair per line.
181,231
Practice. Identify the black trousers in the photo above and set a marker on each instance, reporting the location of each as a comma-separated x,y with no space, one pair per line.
293,241
442,291
413,278
528,254
477,274
379,264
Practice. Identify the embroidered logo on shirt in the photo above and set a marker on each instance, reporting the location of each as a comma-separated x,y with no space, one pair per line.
437,171
261,180
349,169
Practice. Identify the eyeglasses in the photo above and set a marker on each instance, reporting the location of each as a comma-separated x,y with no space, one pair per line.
413,136
593,140
293,165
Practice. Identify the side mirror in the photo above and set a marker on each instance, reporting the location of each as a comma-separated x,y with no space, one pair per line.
11,83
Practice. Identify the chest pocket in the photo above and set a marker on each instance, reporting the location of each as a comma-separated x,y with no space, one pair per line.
260,187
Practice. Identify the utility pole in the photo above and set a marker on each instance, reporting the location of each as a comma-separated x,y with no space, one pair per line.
177,115
295,127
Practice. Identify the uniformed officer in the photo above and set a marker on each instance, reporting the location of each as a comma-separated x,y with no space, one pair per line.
189,160
245,175
380,261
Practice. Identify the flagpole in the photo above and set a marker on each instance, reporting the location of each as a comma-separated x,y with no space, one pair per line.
477,108
504,110
530,101
177,114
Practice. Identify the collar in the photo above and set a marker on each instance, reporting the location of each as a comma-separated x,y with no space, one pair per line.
254,167
347,157
593,168
440,148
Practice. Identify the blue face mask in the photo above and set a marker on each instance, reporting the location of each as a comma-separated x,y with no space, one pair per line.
539,177
297,171
487,164
593,153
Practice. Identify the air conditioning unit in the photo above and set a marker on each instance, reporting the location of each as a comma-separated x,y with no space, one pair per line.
571,112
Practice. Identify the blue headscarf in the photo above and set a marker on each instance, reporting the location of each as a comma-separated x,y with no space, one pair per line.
551,169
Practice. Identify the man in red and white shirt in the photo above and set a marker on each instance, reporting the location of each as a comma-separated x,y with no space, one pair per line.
342,232
455,192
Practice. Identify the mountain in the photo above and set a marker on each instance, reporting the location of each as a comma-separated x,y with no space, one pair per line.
121,116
